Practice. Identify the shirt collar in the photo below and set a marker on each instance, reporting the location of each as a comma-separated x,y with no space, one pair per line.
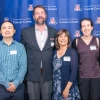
45,29
2,41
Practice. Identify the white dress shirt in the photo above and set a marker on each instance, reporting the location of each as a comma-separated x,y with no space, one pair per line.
41,38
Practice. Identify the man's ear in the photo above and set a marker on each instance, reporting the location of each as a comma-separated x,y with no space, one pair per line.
14,31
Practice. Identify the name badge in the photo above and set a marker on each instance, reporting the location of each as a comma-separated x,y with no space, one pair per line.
52,39
67,58
52,44
93,47
13,52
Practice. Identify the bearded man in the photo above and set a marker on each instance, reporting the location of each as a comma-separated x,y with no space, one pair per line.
39,43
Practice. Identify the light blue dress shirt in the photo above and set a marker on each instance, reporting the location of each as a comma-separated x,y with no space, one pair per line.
13,63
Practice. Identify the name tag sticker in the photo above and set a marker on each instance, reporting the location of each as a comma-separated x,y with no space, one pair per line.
93,47
52,44
67,58
51,39
13,52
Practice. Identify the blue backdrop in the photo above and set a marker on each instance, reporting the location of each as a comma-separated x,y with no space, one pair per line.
61,14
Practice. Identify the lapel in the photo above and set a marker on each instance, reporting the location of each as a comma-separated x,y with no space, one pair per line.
33,36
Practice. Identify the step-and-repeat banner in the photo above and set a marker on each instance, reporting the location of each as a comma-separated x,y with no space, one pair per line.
61,14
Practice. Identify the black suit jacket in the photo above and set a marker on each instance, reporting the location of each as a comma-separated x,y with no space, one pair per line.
35,55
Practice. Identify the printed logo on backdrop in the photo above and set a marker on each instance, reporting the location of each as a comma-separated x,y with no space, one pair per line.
22,20
98,20
92,7
52,21
50,8
30,8
68,20
6,19
96,33
77,33
77,7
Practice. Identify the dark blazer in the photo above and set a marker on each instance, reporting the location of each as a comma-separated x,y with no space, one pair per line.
35,55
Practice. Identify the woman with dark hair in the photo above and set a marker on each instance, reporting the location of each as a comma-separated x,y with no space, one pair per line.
65,66
87,47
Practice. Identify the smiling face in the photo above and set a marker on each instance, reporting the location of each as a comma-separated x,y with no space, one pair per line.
86,27
62,39
39,16
7,30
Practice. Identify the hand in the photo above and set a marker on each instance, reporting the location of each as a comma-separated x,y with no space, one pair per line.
11,87
65,93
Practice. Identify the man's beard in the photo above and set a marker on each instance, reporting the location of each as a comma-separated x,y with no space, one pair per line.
40,22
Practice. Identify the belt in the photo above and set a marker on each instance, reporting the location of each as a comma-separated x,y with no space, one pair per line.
41,70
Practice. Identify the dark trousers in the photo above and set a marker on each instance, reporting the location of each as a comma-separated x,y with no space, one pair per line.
89,88
39,90
17,95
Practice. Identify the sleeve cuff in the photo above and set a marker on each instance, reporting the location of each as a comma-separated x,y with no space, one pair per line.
16,83
71,80
6,84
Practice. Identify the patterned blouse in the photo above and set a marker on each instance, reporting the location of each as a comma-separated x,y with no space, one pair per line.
64,70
